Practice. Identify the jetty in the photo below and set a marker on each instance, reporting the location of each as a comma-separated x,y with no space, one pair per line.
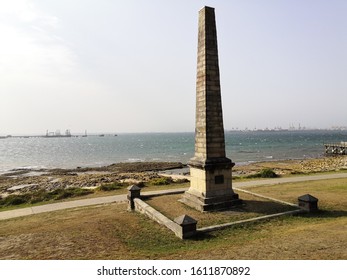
336,148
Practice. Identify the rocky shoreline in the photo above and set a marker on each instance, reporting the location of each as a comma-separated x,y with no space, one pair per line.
25,180
292,167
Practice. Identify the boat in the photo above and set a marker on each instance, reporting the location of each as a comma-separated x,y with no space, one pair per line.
57,134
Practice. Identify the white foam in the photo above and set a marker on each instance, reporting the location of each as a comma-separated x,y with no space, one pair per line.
135,160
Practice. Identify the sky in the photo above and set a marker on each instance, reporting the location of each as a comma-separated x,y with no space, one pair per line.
130,66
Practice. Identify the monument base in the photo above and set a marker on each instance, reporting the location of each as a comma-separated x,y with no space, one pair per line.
211,187
215,203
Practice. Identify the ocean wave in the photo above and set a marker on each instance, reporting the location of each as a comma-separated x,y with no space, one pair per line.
135,160
247,152
29,167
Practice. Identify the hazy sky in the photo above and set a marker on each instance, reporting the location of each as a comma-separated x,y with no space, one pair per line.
130,66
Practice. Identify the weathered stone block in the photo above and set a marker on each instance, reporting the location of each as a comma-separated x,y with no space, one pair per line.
308,203
133,192
188,226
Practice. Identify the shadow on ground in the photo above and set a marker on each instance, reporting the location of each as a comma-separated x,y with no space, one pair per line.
260,207
326,214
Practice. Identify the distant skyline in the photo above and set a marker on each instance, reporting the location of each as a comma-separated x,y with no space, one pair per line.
130,66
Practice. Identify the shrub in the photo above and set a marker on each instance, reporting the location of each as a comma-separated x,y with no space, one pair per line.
265,173
42,195
181,181
59,194
268,173
112,187
62,193
14,200
161,181
38,196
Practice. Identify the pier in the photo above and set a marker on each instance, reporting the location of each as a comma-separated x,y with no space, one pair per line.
336,148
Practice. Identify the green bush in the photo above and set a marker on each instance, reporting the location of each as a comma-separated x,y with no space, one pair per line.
15,200
59,194
42,195
181,181
265,173
268,173
112,187
161,181
38,196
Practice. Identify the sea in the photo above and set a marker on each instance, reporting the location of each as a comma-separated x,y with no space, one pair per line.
242,147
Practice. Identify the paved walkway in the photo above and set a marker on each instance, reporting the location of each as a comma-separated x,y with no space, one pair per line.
4,215
295,179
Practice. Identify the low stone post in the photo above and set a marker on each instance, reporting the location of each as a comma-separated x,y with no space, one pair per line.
308,203
188,226
133,192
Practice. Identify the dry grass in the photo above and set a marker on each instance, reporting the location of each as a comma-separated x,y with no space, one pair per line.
252,207
332,194
110,232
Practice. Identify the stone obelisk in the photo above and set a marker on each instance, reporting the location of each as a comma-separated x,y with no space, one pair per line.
210,169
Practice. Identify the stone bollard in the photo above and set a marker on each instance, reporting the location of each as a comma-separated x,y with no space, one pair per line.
133,192
188,226
308,203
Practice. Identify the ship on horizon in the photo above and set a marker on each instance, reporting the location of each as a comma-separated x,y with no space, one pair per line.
56,134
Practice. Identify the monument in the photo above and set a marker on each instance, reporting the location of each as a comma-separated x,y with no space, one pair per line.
210,169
